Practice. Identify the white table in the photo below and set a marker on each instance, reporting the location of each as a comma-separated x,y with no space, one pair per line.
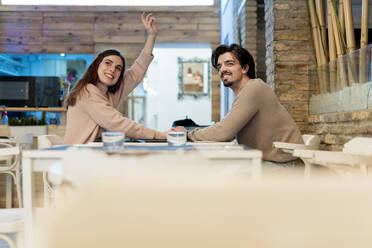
34,161
43,160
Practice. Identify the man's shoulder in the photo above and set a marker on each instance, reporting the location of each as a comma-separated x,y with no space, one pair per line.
258,82
255,84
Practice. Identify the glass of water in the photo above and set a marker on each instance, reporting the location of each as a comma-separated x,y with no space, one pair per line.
113,141
176,138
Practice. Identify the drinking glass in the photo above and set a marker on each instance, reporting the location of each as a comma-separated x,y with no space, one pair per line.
176,138
112,141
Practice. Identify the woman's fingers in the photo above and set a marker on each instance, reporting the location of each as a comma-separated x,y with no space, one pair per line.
143,17
148,21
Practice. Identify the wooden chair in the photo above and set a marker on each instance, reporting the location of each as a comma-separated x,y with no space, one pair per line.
10,165
311,142
355,159
47,141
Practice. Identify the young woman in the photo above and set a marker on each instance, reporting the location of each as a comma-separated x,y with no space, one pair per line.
92,103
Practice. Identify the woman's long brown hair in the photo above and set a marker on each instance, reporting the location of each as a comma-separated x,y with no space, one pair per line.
91,77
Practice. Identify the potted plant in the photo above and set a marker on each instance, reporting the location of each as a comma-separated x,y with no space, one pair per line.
27,125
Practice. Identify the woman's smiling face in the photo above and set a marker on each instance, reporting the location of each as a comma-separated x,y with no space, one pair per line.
109,70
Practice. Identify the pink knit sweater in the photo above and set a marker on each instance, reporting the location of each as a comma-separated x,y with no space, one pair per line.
96,110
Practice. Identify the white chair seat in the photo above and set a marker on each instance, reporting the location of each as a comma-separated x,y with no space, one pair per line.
311,142
359,146
355,157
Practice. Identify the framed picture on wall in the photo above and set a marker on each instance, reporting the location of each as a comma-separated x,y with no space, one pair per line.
194,77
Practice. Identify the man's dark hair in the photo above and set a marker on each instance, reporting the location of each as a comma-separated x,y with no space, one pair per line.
240,53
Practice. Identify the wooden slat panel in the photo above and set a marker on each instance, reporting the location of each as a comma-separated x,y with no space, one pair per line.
69,21
110,36
130,51
131,27
115,18
68,26
56,31
67,48
20,36
118,27
24,49
211,27
21,17
80,36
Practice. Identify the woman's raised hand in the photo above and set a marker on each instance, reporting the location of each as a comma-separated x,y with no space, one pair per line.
149,22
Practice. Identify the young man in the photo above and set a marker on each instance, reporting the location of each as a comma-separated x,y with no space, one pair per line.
256,118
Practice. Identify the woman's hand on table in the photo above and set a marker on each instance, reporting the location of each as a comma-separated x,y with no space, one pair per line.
163,135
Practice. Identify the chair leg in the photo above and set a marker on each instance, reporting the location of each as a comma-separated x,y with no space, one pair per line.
19,188
8,187
8,240
46,189
307,172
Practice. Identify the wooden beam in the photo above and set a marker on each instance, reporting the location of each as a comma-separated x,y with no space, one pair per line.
349,28
331,37
320,14
341,15
364,28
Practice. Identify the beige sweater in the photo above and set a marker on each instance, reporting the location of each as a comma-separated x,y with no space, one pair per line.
257,119
95,111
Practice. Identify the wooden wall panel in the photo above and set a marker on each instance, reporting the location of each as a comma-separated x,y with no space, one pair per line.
130,51
72,30
88,29
68,47
23,29
20,48
78,31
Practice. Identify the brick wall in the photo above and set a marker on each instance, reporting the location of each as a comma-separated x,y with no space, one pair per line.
250,31
289,55
338,128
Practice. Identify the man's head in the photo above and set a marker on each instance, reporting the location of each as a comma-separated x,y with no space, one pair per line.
233,63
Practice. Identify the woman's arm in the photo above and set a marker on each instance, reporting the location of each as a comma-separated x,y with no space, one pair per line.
149,23
134,75
99,109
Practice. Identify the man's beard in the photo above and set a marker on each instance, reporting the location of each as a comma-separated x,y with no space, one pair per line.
227,84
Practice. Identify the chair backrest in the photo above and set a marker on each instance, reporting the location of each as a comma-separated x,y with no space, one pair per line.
24,140
10,154
359,146
48,140
9,151
312,141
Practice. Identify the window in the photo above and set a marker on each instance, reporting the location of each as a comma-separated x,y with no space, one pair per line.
155,103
